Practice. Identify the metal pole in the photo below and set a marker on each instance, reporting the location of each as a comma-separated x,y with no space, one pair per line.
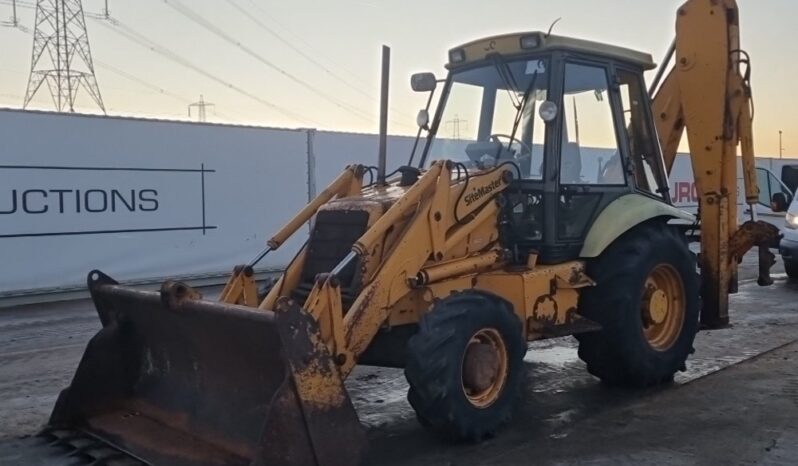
311,169
386,70
781,147
662,68
14,19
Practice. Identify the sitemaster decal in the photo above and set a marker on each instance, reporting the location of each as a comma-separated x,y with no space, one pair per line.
478,193
57,201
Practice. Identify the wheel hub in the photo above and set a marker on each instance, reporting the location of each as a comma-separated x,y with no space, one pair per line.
663,307
484,368
481,367
656,308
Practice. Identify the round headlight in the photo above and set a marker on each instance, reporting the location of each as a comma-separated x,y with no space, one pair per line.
548,111
422,119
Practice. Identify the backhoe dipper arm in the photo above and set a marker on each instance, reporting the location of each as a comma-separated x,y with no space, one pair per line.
707,94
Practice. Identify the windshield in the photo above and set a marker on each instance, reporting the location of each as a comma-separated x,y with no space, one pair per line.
491,116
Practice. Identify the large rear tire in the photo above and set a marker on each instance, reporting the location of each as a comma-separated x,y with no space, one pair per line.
647,300
465,366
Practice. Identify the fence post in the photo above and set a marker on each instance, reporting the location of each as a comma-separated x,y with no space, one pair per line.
311,167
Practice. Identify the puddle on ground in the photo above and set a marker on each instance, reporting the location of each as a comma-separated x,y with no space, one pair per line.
559,356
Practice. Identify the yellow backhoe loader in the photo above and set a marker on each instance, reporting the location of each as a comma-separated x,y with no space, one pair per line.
514,232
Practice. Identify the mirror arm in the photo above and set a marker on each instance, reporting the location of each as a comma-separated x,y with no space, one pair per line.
420,129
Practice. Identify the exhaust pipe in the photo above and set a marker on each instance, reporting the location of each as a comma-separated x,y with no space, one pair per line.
386,71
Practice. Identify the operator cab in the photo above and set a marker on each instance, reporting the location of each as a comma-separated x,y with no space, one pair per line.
572,117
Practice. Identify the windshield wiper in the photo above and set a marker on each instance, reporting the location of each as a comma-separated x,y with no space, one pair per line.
510,83
520,113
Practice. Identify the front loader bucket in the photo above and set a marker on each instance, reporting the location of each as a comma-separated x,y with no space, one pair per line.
175,380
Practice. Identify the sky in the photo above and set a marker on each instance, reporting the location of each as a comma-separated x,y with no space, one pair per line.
314,63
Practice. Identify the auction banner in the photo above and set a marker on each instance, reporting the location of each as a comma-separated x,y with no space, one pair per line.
53,201
140,200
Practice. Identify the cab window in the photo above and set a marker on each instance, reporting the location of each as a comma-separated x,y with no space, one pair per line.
491,117
589,153
646,159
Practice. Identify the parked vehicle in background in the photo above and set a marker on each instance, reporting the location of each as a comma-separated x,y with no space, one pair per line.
789,242
771,186
684,194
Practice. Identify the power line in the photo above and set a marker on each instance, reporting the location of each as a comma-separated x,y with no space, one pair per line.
199,20
109,67
141,40
308,45
132,35
140,81
19,4
14,21
307,57
293,47
157,89
154,87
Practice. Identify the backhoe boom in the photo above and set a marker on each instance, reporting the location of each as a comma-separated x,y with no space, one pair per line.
708,94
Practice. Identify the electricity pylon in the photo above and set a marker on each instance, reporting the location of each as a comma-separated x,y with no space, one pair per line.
61,55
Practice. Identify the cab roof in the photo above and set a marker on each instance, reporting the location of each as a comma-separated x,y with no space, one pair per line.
511,44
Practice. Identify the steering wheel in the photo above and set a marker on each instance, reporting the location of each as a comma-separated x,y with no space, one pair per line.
511,139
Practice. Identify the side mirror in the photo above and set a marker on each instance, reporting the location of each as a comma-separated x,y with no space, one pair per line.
422,119
779,203
423,82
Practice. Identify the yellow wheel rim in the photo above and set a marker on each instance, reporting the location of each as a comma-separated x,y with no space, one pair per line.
484,368
663,307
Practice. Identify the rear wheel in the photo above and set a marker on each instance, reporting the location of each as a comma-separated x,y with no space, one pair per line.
647,300
465,366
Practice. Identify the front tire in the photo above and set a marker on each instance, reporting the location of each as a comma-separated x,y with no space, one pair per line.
647,300
465,366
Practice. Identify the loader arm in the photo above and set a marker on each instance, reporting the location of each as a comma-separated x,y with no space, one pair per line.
434,215
241,287
708,94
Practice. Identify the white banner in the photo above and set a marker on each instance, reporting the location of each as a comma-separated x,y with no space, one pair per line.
140,199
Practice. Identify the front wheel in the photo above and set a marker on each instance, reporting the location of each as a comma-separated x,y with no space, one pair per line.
465,366
647,300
